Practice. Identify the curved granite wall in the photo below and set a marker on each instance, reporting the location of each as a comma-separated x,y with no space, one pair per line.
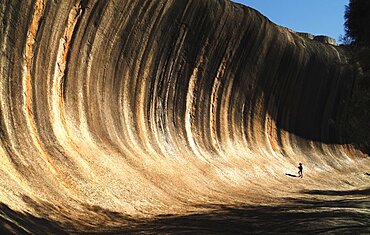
150,107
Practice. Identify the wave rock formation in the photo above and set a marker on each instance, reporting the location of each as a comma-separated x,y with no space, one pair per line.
133,108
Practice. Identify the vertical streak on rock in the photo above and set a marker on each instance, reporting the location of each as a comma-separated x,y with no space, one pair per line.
189,113
143,72
58,119
213,116
27,81
5,109
271,133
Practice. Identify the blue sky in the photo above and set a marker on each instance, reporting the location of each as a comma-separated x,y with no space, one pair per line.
318,17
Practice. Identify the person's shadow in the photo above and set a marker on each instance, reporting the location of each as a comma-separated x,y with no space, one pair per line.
290,175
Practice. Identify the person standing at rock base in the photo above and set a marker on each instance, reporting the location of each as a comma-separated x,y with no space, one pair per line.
300,170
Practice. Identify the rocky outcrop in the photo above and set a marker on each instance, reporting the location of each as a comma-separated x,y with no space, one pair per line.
325,39
116,109
306,35
319,38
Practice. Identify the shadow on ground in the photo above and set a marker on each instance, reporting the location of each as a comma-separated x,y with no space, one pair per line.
291,175
340,212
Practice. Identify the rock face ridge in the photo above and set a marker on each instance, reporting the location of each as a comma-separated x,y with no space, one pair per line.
151,107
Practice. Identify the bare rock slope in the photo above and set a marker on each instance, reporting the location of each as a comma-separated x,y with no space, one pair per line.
116,110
